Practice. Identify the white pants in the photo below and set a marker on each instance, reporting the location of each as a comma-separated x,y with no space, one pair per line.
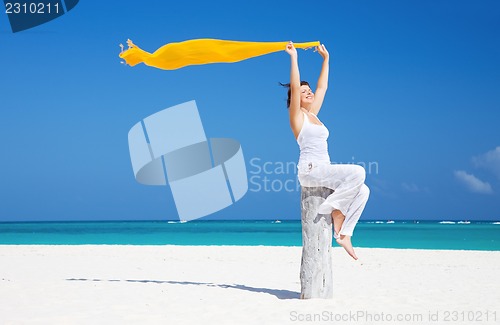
350,193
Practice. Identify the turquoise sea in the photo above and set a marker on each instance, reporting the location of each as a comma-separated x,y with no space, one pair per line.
393,234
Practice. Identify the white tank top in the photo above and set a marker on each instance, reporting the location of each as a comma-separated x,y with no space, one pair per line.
313,144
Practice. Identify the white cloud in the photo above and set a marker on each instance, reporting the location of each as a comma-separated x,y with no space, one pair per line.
414,188
489,161
473,183
382,187
410,187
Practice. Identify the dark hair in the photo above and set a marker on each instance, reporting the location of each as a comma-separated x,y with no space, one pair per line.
302,83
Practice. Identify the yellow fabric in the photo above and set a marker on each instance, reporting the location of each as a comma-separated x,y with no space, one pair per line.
202,51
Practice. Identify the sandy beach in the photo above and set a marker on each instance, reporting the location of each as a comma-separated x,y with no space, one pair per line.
102,284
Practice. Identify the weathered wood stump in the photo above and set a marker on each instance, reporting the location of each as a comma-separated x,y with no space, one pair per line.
316,277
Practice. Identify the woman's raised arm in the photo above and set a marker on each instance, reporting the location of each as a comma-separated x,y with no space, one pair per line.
319,96
296,117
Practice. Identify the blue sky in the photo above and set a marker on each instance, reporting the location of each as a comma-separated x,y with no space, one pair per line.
414,91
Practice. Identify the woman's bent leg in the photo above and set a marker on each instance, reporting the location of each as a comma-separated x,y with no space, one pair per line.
346,181
344,236
355,210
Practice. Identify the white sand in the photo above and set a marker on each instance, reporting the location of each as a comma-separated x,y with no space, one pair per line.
241,285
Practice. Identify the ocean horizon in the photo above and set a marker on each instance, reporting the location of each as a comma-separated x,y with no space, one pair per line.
411,234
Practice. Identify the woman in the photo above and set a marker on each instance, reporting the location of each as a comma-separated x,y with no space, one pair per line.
348,200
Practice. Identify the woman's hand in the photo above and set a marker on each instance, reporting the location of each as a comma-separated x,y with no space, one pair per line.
290,49
130,44
322,51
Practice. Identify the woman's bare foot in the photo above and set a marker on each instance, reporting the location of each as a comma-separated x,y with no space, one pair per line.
338,219
345,241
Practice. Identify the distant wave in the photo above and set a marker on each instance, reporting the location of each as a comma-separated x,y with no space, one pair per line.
495,223
464,222
448,222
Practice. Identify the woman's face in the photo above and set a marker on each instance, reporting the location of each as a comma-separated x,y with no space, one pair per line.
306,96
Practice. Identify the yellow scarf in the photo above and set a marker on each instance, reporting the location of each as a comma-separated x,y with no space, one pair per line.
202,51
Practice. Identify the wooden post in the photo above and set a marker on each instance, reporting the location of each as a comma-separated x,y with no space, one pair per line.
316,277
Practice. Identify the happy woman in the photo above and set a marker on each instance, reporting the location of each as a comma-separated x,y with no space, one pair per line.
348,200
